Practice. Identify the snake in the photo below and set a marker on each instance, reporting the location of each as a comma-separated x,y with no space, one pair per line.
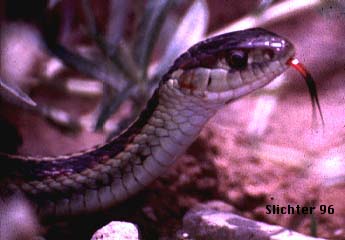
201,81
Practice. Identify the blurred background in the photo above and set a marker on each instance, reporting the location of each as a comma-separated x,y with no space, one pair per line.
75,73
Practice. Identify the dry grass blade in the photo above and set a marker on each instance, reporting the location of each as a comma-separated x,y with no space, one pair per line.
118,11
148,31
61,119
274,13
16,96
190,30
86,66
57,117
264,4
113,50
110,105
90,18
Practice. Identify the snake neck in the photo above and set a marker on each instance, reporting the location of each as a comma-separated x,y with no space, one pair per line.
109,174
169,114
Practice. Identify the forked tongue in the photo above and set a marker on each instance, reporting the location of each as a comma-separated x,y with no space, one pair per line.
293,62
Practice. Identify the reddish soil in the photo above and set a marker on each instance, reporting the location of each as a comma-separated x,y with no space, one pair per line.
230,160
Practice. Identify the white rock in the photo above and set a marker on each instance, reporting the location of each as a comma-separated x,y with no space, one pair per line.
117,230
213,222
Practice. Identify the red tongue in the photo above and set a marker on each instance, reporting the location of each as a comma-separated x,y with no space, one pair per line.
293,62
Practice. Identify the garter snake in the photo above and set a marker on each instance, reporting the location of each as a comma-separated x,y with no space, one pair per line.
201,81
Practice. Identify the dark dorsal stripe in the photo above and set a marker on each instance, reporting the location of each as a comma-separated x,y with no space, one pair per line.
37,170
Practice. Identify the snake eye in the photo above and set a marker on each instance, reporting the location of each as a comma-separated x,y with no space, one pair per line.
237,59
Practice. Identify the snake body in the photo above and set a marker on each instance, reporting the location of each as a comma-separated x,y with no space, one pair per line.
201,81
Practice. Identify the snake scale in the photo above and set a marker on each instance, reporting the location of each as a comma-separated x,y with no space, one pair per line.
209,75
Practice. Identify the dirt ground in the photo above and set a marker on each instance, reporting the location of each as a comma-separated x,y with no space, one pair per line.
258,151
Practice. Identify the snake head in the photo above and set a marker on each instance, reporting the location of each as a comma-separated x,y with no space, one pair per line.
228,66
